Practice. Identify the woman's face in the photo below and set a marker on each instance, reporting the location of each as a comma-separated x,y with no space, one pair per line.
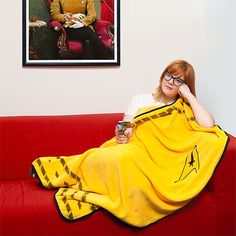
170,85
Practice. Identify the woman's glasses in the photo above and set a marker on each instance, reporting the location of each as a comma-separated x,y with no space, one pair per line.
177,81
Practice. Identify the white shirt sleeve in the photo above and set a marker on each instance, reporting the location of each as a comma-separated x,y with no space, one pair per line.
134,105
140,101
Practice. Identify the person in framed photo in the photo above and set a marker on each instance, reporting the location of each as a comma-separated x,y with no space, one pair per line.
77,16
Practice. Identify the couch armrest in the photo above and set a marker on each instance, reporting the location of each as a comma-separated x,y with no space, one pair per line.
225,171
102,27
61,41
105,31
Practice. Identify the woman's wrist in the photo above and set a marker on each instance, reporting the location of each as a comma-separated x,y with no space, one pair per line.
191,98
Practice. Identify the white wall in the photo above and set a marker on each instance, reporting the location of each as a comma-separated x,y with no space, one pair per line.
152,35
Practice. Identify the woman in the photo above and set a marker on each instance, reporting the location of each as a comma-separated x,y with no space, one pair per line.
77,17
178,79
166,158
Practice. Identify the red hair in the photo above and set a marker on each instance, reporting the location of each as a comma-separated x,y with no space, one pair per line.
178,68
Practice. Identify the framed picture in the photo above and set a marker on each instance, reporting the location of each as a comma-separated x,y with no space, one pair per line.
87,35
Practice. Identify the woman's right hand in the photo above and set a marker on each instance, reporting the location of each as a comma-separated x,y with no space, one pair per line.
67,17
124,138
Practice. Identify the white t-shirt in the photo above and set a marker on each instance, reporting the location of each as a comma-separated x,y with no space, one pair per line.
139,101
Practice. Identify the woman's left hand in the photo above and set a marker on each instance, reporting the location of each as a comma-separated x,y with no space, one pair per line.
184,91
201,114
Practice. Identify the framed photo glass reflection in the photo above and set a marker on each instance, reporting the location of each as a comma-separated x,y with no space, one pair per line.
58,33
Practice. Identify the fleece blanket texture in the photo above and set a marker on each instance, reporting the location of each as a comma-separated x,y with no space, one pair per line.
167,162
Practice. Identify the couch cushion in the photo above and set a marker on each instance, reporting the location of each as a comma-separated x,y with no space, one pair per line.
74,46
29,209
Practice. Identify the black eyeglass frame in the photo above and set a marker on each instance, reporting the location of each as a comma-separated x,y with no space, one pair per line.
181,81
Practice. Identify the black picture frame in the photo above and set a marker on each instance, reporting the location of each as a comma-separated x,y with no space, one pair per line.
39,49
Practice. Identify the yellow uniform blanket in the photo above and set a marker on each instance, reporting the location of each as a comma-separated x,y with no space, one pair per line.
168,161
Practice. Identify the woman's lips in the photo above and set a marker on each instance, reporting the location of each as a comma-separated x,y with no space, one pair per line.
170,88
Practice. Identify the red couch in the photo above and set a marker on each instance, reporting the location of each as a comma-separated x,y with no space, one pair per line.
28,209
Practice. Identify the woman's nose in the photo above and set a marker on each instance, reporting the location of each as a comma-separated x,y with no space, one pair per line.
171,81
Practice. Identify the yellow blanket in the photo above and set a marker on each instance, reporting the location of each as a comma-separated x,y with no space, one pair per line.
166,163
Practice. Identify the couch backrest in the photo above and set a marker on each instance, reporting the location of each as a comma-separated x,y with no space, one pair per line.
107,10
23,139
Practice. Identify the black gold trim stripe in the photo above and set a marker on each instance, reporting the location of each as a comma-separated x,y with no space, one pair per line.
49,183
67,169
165,112
155,109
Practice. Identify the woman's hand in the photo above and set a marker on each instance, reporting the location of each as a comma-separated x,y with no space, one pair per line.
68,17
78,16
77,24
184,91
124,138
201,114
